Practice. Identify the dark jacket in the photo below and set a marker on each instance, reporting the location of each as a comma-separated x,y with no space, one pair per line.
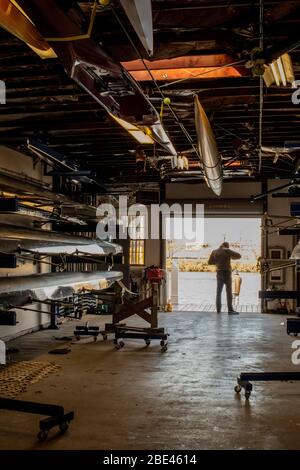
222,257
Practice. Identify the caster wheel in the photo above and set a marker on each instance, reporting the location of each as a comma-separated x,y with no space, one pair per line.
237,389
121,344
296,334
95,338
164,348
42,435
247,394
162,343
63,427
117,346
104,337
148,342
77,338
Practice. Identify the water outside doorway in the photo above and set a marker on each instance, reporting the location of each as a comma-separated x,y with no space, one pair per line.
197,281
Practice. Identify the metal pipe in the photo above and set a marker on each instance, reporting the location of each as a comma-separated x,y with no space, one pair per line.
270,191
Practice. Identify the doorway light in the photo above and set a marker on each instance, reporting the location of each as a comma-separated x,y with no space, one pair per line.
139,134
279,72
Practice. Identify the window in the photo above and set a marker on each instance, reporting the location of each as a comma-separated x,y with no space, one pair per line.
137,252
137,244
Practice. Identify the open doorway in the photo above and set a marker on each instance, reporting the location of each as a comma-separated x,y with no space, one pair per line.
187,264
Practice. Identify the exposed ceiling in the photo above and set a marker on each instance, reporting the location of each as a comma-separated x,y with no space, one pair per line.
202,37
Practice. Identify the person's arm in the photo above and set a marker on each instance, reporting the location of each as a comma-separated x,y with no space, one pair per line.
211,259
234,254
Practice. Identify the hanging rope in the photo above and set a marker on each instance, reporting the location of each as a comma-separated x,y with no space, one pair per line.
161,111
164,98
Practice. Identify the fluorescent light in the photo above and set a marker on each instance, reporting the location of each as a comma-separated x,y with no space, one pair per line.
279,72
136,132
182,163
275,75
192,67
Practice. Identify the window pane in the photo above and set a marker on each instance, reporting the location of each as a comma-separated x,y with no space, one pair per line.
137,252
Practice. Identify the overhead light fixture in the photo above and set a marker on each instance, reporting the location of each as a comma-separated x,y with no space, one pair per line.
183,67
15,21
139,134
182,163
184,74
236,163
279,72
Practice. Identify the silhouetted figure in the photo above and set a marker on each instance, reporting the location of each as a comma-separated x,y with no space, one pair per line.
221,258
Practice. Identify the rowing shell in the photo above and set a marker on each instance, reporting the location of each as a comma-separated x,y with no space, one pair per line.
19,290
52,243
210,156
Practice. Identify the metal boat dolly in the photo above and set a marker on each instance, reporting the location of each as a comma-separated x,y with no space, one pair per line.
56,414
245,379
146,334
86,330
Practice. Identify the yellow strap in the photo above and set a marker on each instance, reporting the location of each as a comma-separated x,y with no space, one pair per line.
161,110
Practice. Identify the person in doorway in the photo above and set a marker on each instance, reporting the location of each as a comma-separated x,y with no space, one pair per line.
221,258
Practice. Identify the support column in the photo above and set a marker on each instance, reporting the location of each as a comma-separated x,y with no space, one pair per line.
53,316
174,282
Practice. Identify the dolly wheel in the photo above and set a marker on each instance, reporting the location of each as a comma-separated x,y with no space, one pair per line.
237,389
247,394
147,341
63,427
122,344
104,337
162,343
42,435
95,338
164,348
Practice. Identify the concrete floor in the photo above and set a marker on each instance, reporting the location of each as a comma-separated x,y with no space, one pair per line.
141,398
